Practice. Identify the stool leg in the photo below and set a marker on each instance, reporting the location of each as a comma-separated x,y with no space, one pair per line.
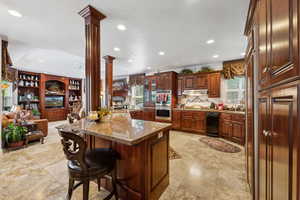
86,186
70,190
99,184
114,183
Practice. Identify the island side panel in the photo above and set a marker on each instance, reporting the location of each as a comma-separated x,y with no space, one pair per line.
158,165
143,170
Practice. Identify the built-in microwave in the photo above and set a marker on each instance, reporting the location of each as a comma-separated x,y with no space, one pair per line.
163,113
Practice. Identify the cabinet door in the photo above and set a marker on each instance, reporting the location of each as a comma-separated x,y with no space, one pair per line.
189,82
227,129
283,143
176,121
199,121
149,114
238,132
262,43
187,121
262,147
200,81
250,122
214,82
283,39
179,86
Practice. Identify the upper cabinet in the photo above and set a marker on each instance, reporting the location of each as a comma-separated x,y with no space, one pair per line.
166,80
150,86
210,81
214,83
277,41
200,81
188,82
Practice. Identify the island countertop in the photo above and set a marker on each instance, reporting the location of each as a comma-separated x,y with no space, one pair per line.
121,128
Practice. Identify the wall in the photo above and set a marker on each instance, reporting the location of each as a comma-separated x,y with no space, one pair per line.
0,96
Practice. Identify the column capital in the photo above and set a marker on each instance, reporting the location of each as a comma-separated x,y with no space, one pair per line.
108,58
91,12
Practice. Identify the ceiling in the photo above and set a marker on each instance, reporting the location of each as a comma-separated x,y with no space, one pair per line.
50,35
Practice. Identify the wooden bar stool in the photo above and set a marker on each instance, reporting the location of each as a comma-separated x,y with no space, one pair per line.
87,165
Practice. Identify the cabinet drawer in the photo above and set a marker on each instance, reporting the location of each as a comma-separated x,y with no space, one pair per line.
187,114
225,116
238,118
199,115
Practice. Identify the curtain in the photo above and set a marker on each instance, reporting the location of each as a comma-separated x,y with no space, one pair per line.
233,68
8,73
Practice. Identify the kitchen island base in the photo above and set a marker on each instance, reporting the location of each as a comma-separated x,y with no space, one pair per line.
143,170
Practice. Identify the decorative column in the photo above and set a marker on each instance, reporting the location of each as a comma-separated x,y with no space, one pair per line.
92,57
108,80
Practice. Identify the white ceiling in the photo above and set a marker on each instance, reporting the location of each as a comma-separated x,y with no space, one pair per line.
50,35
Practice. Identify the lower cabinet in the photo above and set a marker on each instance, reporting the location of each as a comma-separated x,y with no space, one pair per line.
137,114
149,114
232,127
145,114
194,121
176,119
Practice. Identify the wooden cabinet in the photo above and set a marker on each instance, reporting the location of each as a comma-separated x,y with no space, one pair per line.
180,86
188,82
200,81
276,55
149,114
186,121
278,41
210,81
176,119
232,127
150,86
278,143
166,80
214,84
194,121
137,114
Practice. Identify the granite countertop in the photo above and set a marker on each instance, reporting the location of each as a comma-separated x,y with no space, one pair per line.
210,110
121,128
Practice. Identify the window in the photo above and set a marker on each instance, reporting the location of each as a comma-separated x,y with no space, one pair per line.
235,90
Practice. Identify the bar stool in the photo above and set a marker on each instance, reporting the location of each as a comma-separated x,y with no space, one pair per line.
87,165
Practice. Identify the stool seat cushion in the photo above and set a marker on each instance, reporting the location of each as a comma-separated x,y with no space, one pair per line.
99,160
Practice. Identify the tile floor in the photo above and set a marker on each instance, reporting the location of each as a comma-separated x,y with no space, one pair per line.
39,172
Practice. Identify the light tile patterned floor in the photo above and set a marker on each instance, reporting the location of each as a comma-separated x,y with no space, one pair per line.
39,172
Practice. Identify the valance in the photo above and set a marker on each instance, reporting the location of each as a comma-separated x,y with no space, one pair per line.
233,68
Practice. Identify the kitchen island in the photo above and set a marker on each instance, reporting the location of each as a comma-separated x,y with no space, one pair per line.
143,170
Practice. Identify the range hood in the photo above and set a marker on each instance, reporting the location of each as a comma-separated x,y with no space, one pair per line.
195,92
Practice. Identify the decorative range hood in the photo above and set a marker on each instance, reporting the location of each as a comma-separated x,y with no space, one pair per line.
195,92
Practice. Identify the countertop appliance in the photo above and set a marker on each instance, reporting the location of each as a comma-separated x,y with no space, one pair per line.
212,124
163,105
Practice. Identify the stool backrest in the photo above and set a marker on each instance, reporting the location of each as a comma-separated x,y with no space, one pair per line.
74,148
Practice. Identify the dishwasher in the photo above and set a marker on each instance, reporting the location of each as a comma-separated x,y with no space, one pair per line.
212,124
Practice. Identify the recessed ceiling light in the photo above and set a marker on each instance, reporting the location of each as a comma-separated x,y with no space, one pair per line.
148,68
121,27
210,41
14,13
130,60
216,56
41,60
242,54
117,49
161,53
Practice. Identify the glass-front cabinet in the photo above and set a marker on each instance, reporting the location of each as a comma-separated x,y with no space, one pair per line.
150,91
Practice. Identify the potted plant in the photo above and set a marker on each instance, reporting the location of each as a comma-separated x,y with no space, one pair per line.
36,114
14,136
